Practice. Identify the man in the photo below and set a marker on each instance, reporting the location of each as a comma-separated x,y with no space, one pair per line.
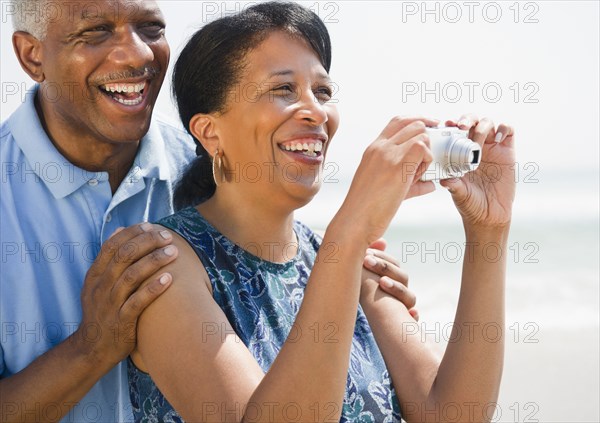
80,159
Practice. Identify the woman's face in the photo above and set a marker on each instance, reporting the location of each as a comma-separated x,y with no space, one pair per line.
278,122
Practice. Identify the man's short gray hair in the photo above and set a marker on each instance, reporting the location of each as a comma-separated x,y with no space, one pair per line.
31,16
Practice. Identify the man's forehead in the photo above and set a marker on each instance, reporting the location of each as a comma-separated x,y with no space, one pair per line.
107,9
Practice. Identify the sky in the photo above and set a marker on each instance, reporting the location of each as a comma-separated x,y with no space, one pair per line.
533,65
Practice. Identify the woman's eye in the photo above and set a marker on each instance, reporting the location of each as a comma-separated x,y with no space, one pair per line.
324,93
286,91
284,88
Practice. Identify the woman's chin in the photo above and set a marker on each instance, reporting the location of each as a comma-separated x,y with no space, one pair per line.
302,194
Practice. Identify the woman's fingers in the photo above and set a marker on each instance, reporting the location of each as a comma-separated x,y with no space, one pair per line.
484,132
467,121
504,133
420,188
397,123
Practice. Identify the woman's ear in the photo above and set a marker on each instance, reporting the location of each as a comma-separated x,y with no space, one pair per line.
202,126
29,52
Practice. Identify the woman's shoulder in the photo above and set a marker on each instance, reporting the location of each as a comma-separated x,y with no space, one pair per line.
189,224
307,235
184,217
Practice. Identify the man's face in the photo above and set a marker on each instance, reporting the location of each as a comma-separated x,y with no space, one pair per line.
104,63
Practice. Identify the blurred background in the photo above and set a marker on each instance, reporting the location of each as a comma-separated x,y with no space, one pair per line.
533,65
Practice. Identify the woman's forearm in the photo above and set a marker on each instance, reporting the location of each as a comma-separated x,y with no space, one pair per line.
471,369
467,379
322,333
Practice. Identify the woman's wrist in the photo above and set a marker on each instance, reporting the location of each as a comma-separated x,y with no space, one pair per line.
489,233
344,231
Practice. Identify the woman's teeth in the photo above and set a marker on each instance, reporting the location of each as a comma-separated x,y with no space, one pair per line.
308,149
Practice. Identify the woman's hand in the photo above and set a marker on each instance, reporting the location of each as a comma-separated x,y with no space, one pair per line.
389,172
485,196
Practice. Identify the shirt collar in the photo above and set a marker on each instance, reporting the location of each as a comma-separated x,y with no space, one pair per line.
61,176
151,157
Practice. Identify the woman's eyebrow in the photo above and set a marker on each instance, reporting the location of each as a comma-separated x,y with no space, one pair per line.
287,72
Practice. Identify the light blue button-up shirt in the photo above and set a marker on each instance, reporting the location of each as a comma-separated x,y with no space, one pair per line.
53,218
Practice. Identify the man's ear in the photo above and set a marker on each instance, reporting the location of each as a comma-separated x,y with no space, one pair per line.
29,52
202,126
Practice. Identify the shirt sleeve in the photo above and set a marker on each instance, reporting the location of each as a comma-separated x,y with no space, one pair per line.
2,366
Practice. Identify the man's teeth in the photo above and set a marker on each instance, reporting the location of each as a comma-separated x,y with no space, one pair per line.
129,102
309,149
124,88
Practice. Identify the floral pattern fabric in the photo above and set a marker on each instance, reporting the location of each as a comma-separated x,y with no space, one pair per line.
261,300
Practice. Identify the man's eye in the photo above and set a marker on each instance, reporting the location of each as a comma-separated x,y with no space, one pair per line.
99,28
154,29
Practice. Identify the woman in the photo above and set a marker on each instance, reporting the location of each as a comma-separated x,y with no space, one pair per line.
261,321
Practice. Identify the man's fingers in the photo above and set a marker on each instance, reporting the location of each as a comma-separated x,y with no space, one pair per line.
380,244
383,267
414,313
136,248
119,229
399,291
113,244
143,297
383,255
138,272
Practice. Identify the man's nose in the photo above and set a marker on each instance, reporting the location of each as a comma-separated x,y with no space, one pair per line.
130,50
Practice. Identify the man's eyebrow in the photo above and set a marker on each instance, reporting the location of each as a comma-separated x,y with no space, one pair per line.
152,11
92,14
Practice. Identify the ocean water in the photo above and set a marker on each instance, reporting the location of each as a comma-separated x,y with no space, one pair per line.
553,249
551,371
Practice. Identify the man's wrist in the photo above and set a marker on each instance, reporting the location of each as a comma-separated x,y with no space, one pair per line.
87,352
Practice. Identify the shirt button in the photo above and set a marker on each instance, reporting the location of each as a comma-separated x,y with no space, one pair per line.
108,218
93,182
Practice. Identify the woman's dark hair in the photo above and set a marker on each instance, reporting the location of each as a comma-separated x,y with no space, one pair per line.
211,64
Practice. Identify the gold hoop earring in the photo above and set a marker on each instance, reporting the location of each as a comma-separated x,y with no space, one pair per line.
217,162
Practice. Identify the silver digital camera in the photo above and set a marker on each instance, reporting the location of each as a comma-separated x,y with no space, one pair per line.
454,154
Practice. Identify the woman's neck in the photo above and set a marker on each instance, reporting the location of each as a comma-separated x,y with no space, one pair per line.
255,226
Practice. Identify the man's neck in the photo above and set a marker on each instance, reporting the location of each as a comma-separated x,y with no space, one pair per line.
89,153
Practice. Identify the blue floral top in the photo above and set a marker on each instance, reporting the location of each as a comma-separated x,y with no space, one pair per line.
261,300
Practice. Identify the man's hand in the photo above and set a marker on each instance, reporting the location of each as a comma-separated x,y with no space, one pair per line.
113,297
384,270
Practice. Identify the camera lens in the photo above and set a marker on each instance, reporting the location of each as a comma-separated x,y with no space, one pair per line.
463,155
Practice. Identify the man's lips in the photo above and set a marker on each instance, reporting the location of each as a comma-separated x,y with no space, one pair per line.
127,93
